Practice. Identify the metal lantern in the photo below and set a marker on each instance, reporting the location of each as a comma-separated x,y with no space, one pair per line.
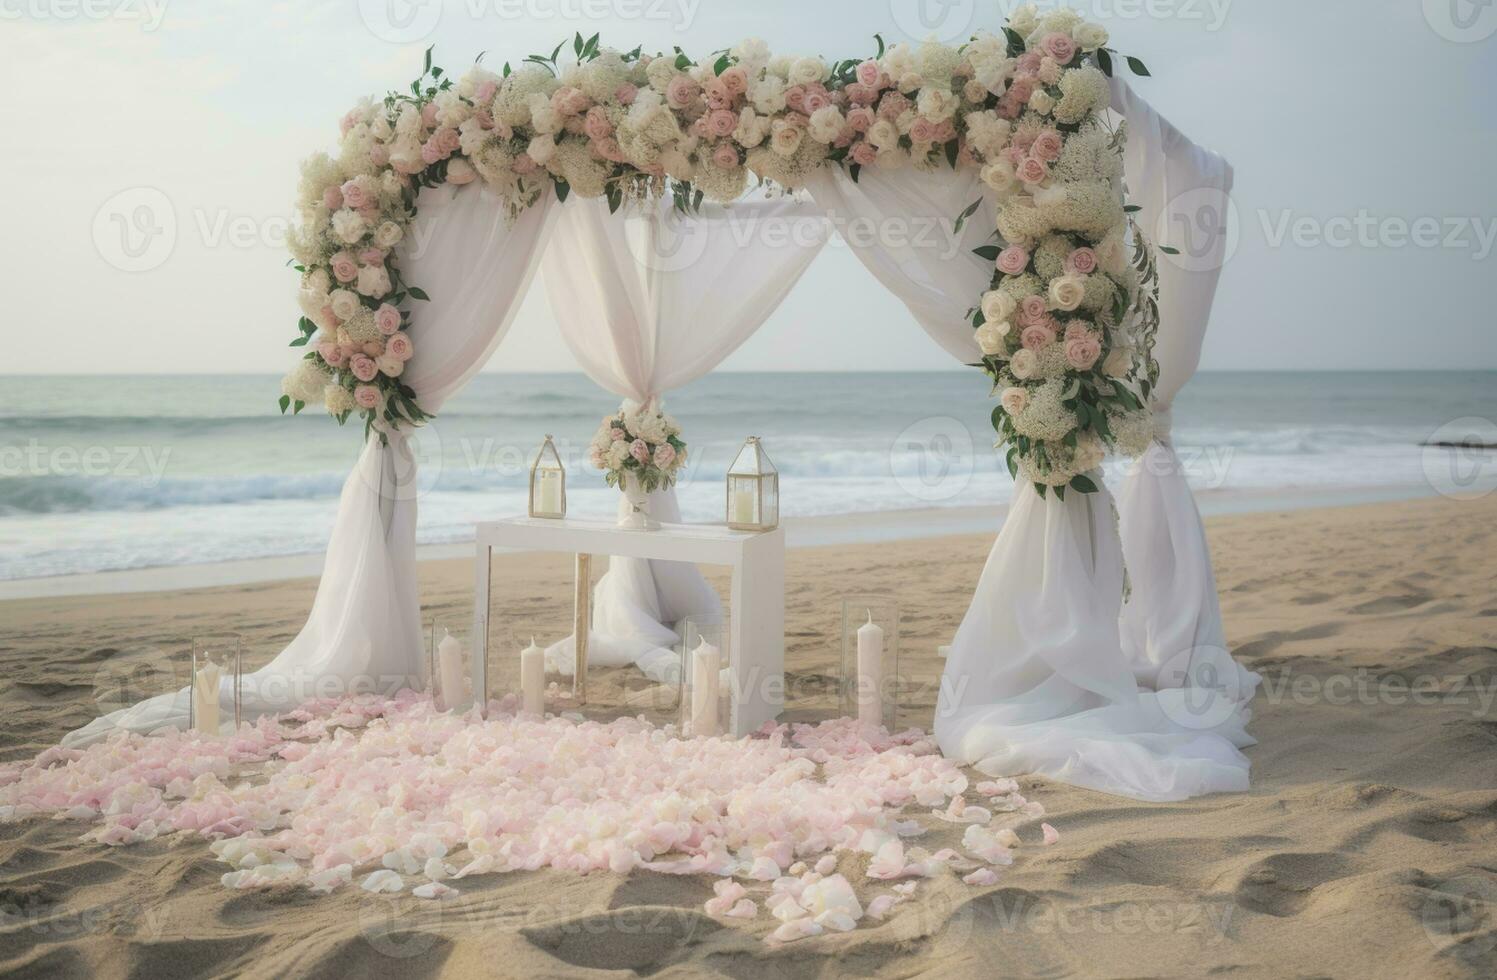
753,490
548,483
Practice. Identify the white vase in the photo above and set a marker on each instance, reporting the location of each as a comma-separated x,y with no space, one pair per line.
636,512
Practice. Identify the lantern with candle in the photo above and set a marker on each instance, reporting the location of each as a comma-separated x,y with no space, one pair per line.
548,483
753,490
215,659
870,659
447,669
705,678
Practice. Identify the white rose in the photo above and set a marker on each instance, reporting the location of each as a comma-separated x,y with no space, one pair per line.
388,235
1067,292
1024,20
1014,400
541,148
910,81
373,281
345,303
617,453
1119,362
752,128
1090,36
1042,102
1000,176
1024,364
768,96
937,105
990,337
390,367
884,135
751,52
997,305
826,124
651,429
804,71
311,302
784,138
349,226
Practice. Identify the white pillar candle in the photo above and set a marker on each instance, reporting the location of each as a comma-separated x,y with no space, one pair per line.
548,491
533,679
743,503
449,672
870,672
205,697
706,661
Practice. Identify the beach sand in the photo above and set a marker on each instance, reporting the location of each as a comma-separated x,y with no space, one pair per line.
1367,845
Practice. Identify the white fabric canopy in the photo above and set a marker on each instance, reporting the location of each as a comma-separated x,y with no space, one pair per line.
1172,630
364,631
648,300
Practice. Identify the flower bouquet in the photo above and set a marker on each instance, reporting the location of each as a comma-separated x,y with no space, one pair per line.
639,450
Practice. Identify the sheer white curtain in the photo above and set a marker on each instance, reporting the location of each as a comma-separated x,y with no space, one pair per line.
364,630
1172,629
649,299
1036,680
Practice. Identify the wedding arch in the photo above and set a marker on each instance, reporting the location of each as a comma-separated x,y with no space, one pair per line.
419,238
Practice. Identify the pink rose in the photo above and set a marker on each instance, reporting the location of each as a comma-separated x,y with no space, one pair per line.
1029,62
345,269
718,96
429,115
869,74
1036,338
366,396
524,164
387,318
1032,310
1021,89
1013,260
597,125
1047,146
1059,46
485,92
923,131
665,455
608,148
617,434
860,95
736,80
332,353
354,194
1075,330
372,256
449,140
1083,261
568,101
861,119
332,198
725,157
815,100
640,450
795,97
893,105
430,152
627,93
363,367
1033,171
721,122
400,347
945,131
379,154
864,154
680,92
1082,352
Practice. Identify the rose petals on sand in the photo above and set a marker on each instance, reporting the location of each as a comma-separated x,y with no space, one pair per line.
982,876
1051,834
380,790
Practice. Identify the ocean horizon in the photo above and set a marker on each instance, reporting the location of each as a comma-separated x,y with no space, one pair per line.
102,473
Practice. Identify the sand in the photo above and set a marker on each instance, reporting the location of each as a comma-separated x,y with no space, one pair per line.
1366,847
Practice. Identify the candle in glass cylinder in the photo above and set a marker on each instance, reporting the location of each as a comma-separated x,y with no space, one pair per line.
449,672
870,672
706,661
548,491
743,504
205,697
533,679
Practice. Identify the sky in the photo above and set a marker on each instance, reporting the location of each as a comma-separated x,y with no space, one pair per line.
1363,134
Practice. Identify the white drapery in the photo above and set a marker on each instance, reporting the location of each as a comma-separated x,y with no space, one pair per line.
1172,630
364,630
1036,680
648,300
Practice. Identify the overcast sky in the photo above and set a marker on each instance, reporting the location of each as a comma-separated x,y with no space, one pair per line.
1363,132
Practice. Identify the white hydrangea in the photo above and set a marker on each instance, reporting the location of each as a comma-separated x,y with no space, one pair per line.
1083,91
337,399
1046,417
306,381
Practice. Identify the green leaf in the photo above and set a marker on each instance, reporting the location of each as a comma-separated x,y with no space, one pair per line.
577,45
1040,489
997,418
1015,42
1139,68
296,407
1082,483
952,149
682,62
285,403
300,341
968,212
557,51
562,190
1013,463
419,293
1131,208
1168,250
989,252
721,65
854,170
881,48
1060,493
1104,62
427,66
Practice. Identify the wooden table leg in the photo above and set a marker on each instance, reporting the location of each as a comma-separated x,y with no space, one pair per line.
582,626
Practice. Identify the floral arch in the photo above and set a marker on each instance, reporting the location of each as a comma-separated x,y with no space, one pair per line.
1064,328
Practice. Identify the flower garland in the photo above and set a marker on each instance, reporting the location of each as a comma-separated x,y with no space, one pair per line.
642,441
1061,331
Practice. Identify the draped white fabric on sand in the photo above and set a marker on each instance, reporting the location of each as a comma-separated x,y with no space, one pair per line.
1172,629
648,300
364,631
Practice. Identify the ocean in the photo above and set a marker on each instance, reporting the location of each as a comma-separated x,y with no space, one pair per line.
108,473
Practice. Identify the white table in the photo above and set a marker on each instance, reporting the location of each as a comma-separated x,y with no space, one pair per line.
756,612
